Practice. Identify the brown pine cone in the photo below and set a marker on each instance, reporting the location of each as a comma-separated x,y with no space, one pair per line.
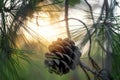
63,55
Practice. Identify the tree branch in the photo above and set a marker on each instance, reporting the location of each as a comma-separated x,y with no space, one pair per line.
102,76
91,11
66,18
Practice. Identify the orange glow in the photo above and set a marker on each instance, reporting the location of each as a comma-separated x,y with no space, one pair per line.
44,29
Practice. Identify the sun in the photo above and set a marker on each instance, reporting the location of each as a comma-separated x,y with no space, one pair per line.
43,29
48,32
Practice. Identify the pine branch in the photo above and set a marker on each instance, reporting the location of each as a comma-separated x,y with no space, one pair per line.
91,11
102,76
66,18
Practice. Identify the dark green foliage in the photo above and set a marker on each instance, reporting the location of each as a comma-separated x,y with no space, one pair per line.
116,56
72,3
12,15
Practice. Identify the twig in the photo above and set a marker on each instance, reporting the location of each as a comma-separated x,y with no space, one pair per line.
94,64
66,18
93,72
85,72
91,11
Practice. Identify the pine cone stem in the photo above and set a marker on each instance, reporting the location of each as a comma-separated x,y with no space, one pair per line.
103,77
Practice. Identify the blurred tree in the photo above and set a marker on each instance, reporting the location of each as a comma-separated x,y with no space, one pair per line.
13,14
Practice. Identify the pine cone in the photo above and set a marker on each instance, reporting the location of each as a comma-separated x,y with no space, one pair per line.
63,55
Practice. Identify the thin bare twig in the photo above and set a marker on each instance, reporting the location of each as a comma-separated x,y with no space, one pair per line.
85,71
91,11
102,76
66,18
94,64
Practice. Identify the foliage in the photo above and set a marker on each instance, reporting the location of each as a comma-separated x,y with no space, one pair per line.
12,15
72,3
102,37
